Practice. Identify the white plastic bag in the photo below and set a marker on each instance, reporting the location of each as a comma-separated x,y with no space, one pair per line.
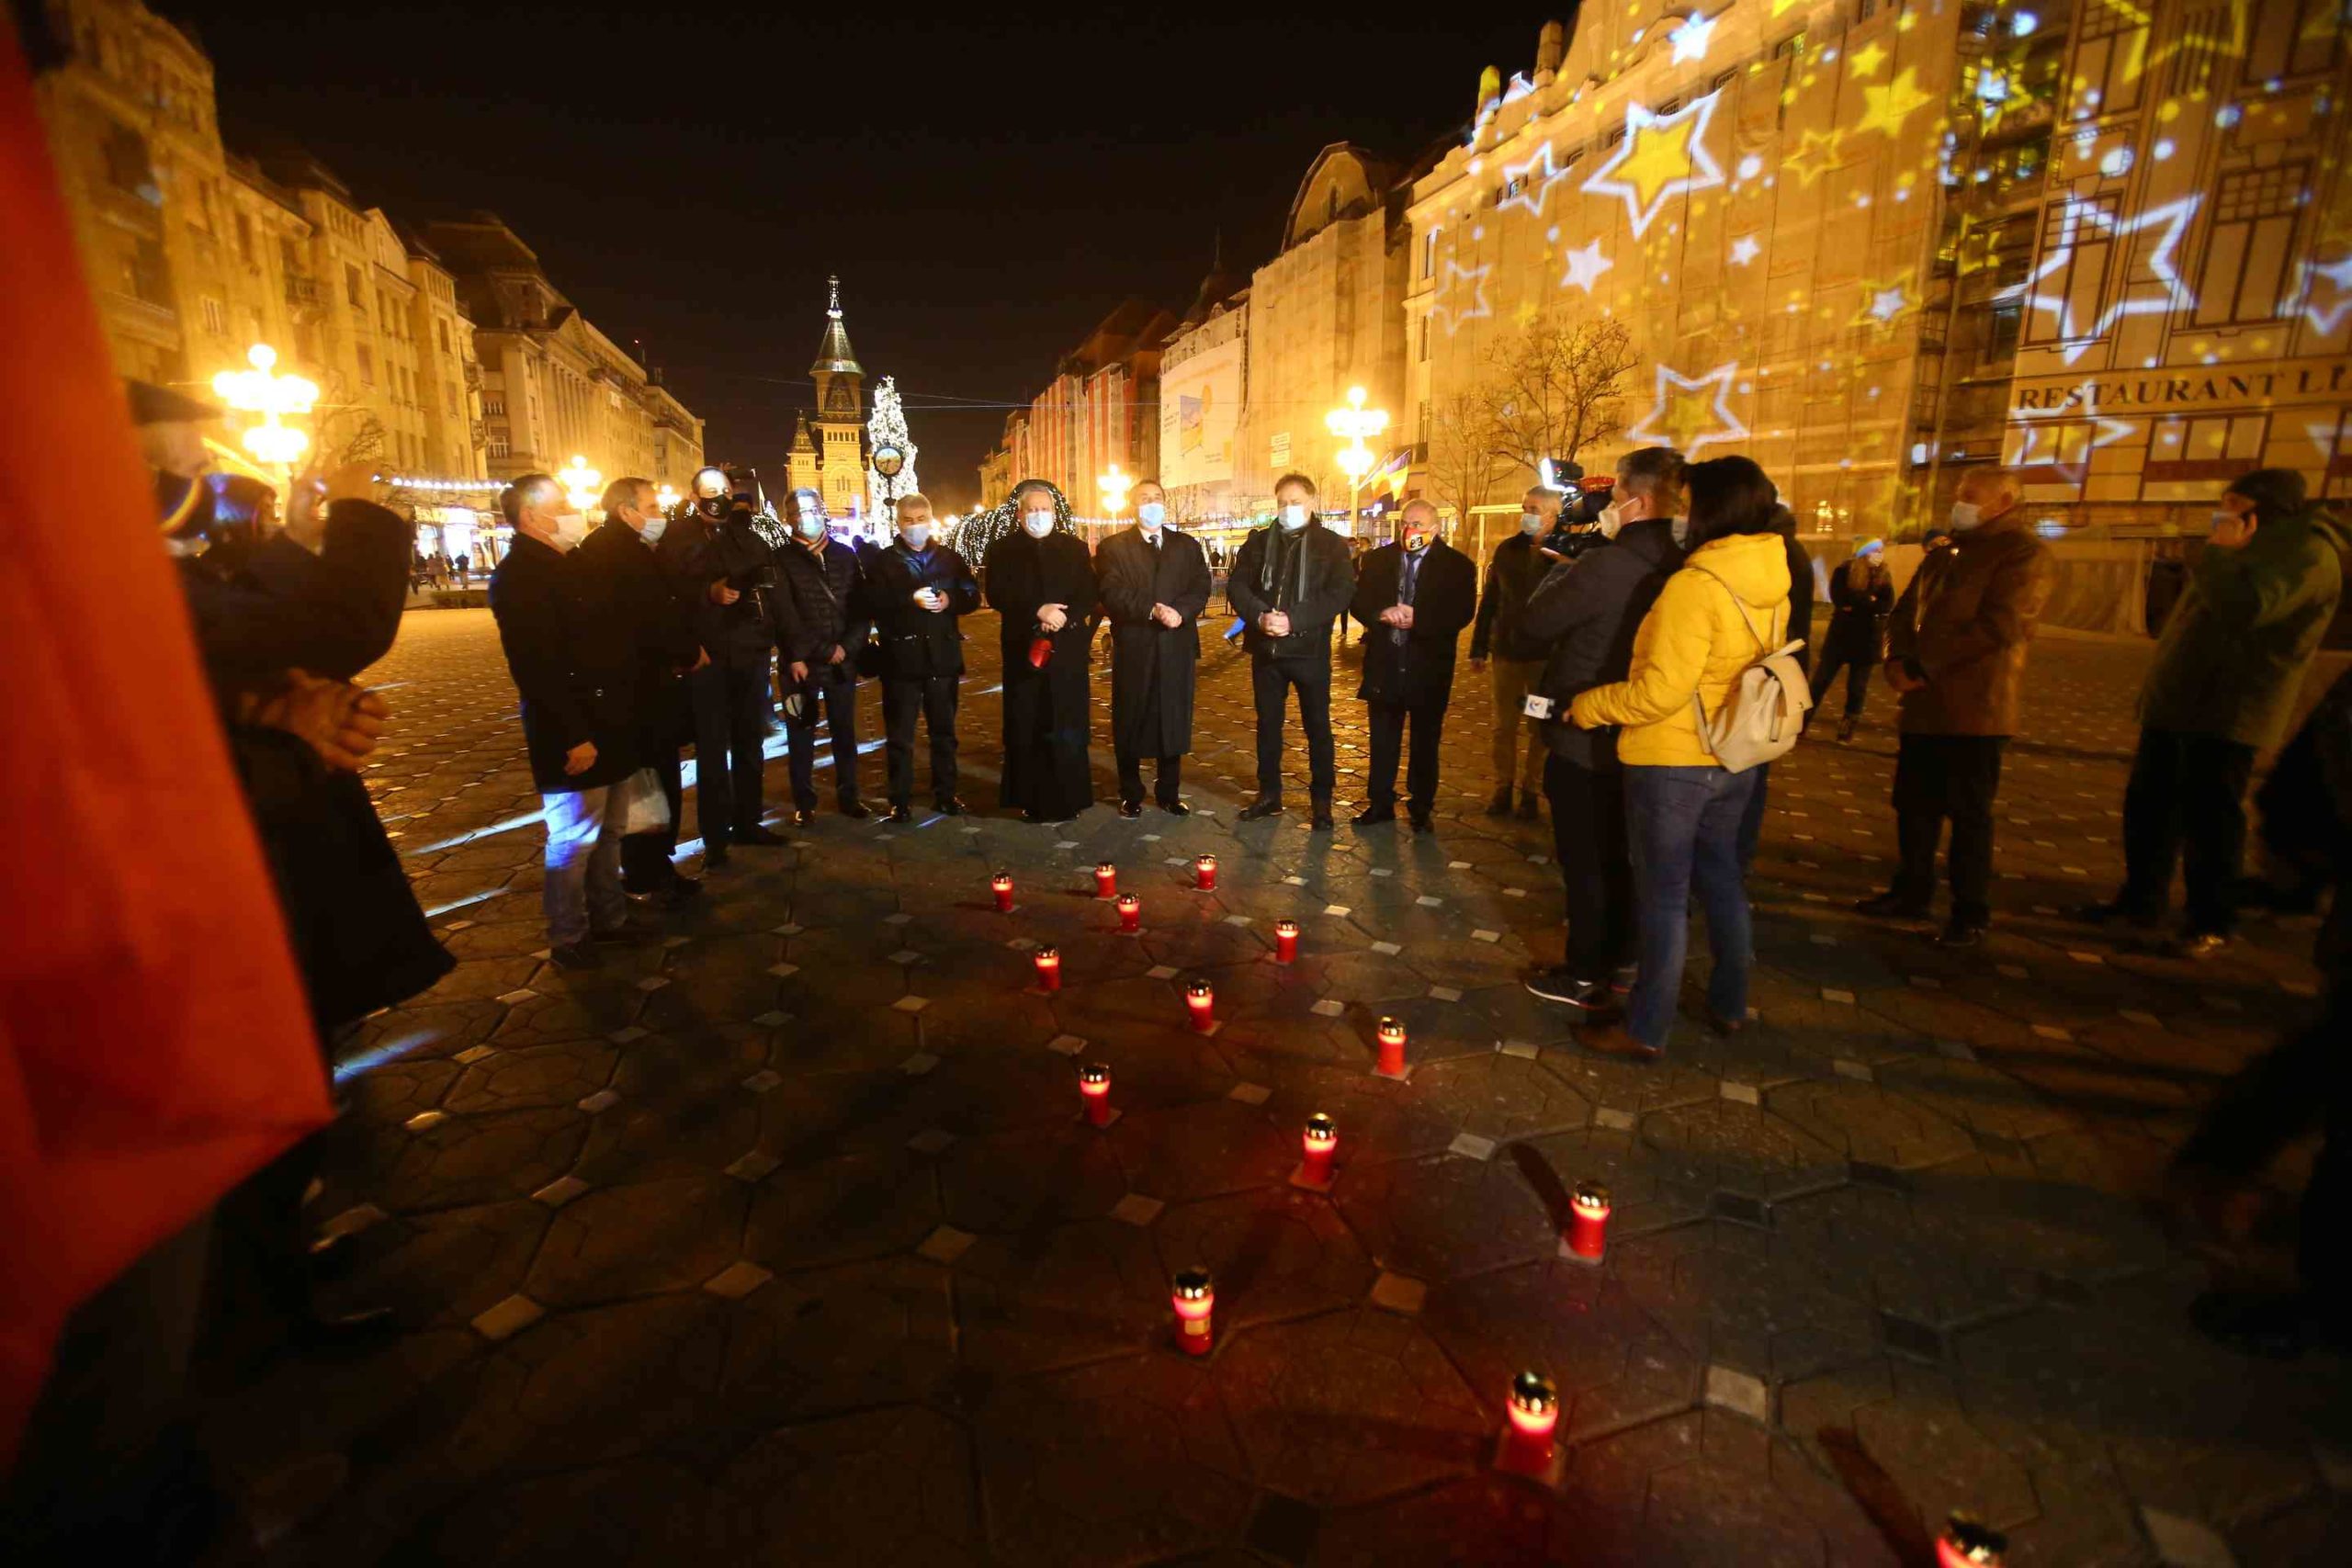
643,808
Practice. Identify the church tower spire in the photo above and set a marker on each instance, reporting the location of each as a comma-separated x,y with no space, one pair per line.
840,411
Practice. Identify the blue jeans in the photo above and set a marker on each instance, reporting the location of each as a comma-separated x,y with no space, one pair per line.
582,890
1683,825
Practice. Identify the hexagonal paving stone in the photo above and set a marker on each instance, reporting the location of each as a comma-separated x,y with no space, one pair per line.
1437,1218
1196,1151
441,1269
892,1485
1274,1253
534,1075
640,1239
1021,1181
1059,1297
1501,1097
480,1159
842,1209
1744,1150
830,1339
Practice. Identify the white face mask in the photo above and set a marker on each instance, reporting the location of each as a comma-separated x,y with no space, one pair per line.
1151,514
570,529
917,536
1531,523
1293,518
1037,524
656,524
1611,518
1965,515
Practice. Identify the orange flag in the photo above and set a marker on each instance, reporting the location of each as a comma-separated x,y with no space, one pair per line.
155,1047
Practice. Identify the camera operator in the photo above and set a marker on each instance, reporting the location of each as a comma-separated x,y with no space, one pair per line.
1579,527
721,556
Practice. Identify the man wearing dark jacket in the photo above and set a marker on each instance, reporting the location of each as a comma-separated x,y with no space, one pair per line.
820,628
579,748
1290,581
1412,598
721,556
627,597
1155,584
1589,610
2228,668
919,591
1518,566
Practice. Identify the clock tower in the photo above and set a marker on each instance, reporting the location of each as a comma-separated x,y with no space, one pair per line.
839,425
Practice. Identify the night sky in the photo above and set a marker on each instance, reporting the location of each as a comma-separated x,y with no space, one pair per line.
987,185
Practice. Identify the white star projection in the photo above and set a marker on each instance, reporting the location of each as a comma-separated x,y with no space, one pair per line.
1662,156
1459,279
1539,185
1685,416
1584,267
2338,275
1744,249
2172,221
1691,40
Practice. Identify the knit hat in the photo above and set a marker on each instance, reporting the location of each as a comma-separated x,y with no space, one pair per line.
1870,546
2276,492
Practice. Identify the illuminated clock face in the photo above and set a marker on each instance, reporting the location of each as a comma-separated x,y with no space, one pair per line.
889,461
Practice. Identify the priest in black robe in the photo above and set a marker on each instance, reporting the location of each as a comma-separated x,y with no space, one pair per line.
1155,585
1040,581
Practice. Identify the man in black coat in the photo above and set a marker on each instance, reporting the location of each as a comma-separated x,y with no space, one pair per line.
1412,598
721,556
579,748
919,591
1518,564
629,598
1155,584
1290,581
821,627
1589,610
1040,581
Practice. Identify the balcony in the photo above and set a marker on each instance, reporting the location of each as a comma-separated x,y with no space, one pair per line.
473,375
304,292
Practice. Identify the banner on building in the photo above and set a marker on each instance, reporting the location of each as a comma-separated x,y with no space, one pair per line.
1200,408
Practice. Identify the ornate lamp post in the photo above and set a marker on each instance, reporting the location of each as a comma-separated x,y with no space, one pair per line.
1355,459
583,485
261,391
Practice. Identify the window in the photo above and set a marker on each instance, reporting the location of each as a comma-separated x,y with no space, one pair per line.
1509,188
2107,59
2249,257
2001,326
216,316
493,408
498,447
351,286
2291,37
245,238
1789,47
366,366
1425,340
128,167
1428,254
2217,446
146,275
445,335
1617,137
2076,247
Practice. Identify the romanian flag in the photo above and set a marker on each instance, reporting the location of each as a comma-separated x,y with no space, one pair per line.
154,1048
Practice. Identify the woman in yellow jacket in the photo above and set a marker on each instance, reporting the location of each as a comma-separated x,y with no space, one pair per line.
1682,808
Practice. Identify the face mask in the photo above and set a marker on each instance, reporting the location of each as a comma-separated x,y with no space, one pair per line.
1417,541
2223,518
1965,515
570,529
1612,517
810,528
1531,523
1293,518
655,527
712,506
1151,514
1038,524
917,536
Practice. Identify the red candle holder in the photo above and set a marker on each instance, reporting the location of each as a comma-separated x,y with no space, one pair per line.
1534,1411
1285,942
1200,997
1002,885
1107,881
1391,1033
1322,1142
1049,969
1094,1083
1205,873
1970,1543
1130,913
1587,1235
1195,1297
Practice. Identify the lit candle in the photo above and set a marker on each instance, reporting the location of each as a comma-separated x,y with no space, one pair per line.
1094,1083
1049,969
1285,941
1968,1543
1322,1142
1392,1048
1194,1296
1002,883
1106,880
1205,873
1534,1409
1588,1221
1201,997
1130,913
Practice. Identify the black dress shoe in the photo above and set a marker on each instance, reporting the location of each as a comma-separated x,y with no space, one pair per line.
949,805
1374,815
855,810
1960,933
1323,823
1175,808
1891,906
1131,808
802,816
713,857
766,838
1500,805
901,813
1263,807
1420,821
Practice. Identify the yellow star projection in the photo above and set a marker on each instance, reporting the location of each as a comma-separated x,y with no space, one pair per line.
1662,156
1865,61
1885,108
1691,412
1814,154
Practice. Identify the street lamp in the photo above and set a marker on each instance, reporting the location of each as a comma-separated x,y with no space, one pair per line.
666,499
259,390
1355,459
1115,486
582,484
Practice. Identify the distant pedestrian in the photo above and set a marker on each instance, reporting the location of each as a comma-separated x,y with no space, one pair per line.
2228,667
1861,594
465,567
1956,648
1516,566
1412,599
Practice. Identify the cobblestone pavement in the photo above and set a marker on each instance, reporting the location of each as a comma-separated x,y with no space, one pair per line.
784,1240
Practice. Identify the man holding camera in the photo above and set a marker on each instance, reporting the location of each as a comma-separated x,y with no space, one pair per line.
820,628
1518,564
919,591
722,560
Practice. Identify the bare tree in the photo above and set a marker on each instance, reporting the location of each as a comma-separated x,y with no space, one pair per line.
346,430
1557,386
1463,467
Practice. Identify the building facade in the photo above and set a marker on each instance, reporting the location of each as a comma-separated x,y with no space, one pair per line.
1101,407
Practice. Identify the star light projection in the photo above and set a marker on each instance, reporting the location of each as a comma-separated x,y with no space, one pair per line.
1532,196
1662,156
1459,280
1885,108
1691,40
2337,276
1584,267
1691,412
2075,339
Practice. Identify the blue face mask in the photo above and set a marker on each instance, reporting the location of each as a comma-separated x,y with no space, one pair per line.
1151,514
917,536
